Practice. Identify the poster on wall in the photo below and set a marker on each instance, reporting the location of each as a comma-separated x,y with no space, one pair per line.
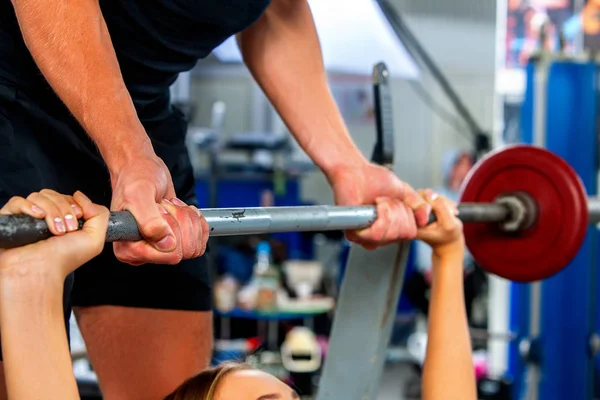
355,101
525,20
589,23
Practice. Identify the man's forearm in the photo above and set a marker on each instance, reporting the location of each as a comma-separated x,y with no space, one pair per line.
448,372
283,53
71,45
35,351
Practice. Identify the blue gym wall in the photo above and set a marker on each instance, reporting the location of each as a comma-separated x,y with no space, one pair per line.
569,314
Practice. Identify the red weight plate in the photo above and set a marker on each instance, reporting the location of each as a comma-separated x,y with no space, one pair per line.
560,229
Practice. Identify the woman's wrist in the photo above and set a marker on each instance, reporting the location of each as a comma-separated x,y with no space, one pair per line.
448,262
31,286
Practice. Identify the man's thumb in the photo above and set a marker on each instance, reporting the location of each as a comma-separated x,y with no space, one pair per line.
156,231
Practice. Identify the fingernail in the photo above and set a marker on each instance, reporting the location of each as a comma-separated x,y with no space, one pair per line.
71,223
434,196
178,202
76,209
418,205
166,244
59,224
162,209
168,202
38,211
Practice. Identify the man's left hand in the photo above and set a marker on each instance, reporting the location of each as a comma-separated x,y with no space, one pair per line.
400,209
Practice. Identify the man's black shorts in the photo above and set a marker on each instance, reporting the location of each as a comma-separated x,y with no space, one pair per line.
42,146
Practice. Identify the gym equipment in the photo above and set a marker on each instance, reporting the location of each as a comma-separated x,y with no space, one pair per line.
549,210
366,305
301,352
525,209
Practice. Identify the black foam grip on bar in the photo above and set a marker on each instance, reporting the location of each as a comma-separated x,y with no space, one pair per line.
20,230
122,226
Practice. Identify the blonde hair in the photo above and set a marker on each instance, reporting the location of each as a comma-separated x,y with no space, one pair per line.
204,385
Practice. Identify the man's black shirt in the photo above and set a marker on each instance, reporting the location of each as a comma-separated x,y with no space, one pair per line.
154,41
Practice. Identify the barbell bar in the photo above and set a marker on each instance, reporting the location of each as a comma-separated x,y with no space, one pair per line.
19,230
519,199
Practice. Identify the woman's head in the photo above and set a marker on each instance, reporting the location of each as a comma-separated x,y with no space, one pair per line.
456,164
233,382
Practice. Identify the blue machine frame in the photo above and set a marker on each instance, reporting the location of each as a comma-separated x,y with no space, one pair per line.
560,113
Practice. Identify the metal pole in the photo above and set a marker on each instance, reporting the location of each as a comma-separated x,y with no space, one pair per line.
594,210
406,36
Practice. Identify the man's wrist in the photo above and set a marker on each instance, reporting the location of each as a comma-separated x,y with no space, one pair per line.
336,163
123,152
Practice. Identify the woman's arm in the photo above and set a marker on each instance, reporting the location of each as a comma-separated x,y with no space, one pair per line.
448,372
37,361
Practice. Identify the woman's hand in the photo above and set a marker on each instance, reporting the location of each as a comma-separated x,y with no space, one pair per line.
63,253
445,235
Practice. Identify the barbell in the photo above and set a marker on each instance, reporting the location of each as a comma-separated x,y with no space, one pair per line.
526,214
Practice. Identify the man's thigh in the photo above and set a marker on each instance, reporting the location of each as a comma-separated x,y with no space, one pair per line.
146,328
3,393
144,353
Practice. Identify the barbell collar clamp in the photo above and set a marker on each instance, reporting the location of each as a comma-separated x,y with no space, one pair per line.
522,211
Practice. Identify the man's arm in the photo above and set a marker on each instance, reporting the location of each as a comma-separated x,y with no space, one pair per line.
448,372
34,341
283,53
71,45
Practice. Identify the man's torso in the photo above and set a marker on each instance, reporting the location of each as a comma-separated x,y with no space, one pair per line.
154,41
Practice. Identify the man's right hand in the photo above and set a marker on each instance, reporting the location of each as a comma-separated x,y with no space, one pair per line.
172,230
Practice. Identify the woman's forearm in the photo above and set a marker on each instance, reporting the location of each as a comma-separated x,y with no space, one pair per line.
448,372
283,53
37,361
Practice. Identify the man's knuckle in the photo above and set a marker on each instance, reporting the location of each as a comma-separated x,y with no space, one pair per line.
176,259
377,235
